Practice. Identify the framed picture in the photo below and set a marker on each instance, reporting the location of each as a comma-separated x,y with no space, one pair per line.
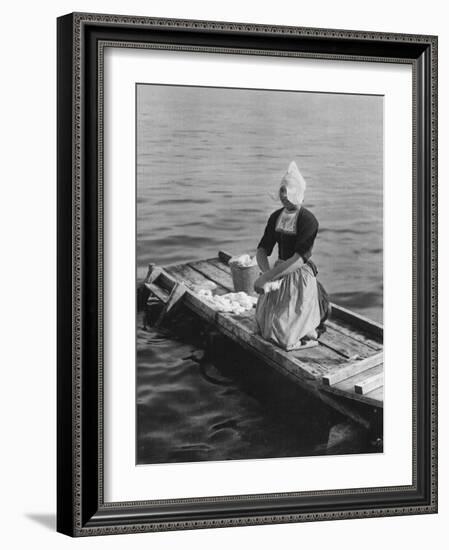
247,274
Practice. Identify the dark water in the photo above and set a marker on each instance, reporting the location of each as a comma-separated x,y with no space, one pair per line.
207,162
199,400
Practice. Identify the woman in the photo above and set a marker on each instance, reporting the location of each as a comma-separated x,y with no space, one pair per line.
292,305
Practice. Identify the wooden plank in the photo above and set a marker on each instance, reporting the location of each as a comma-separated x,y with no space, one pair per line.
220,265
344,407
352,369
249,321
153,273
352,396
224,256
357,335
183,273
369,384
348,384
326,358
214,274
160,293
357,321
344,345
376,394
176,295
194,302
190,277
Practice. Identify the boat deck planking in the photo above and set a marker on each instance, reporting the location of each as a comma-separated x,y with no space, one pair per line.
349,341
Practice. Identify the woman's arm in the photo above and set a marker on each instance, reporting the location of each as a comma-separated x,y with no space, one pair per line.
283,268
262,260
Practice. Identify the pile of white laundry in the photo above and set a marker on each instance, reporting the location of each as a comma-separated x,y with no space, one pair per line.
233,302
245,260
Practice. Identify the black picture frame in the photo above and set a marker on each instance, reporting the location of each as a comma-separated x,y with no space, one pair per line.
81,510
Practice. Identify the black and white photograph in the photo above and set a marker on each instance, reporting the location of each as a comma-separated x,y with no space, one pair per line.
247,276
259,273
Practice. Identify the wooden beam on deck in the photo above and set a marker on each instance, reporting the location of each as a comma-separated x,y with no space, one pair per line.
175,296
369,384
357,320
342,373
160,293
153,273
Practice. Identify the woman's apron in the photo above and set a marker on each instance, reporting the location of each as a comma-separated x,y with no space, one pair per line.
292,312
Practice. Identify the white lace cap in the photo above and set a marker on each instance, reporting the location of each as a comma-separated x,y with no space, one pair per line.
294,183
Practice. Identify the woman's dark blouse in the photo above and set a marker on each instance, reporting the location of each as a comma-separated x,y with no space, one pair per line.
288,243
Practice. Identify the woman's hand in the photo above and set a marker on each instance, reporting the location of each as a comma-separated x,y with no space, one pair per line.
259,284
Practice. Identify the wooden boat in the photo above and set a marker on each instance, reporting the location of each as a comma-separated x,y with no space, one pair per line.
345,370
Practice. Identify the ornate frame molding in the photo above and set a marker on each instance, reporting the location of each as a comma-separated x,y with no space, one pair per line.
82,510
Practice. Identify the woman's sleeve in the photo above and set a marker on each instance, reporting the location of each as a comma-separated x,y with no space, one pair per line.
268,240
307,233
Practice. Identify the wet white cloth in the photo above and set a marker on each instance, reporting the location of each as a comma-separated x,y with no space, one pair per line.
245,260
233,302
205,285
272,285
